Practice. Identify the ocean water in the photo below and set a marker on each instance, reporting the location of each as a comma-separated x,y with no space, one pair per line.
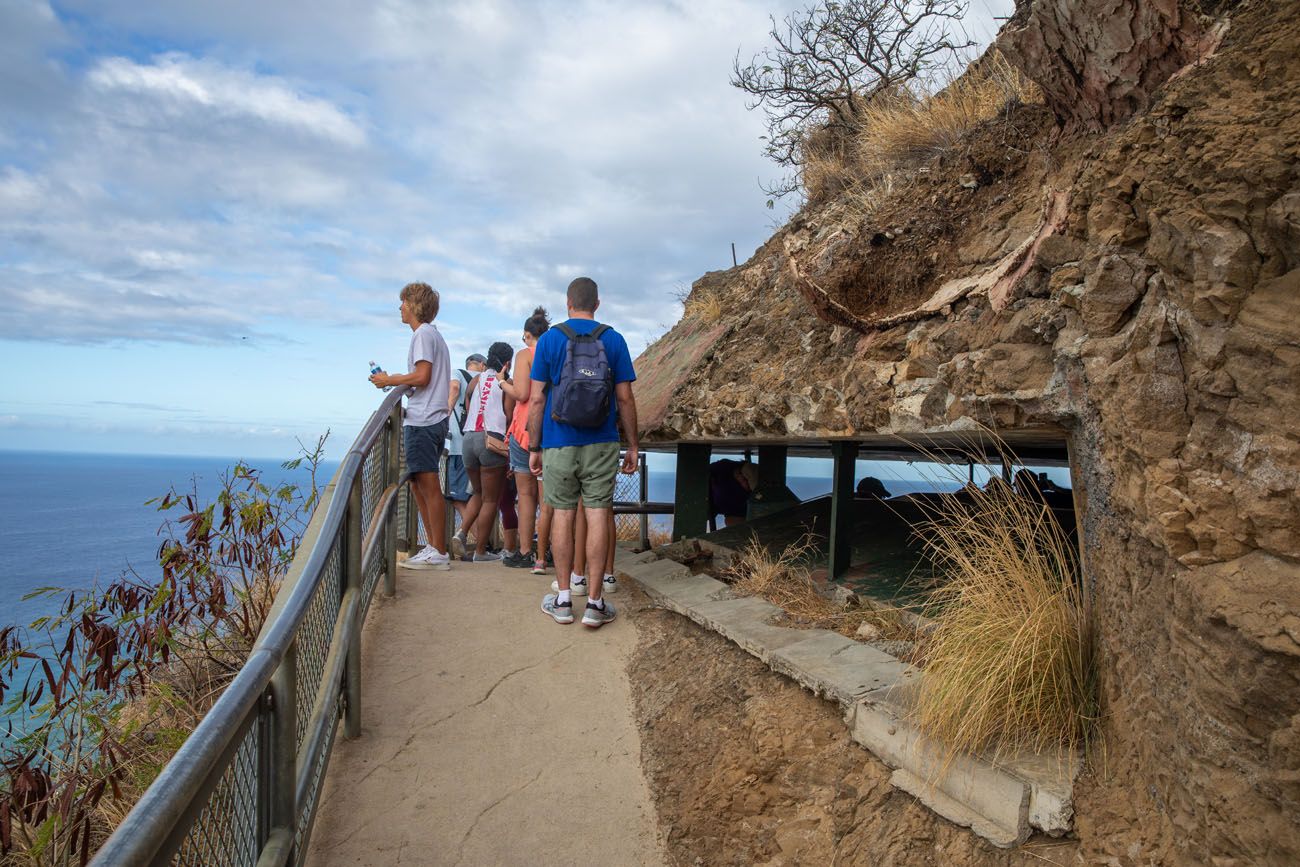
72,520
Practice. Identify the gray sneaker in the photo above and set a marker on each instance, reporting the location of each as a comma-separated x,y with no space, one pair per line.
518,560
458,545
487,557
559,613
595,617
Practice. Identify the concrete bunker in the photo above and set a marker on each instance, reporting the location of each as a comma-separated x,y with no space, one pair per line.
862,534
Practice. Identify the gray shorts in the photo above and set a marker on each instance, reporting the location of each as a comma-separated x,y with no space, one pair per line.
477,455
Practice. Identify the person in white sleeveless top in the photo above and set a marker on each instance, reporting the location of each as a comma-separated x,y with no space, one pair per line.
486,467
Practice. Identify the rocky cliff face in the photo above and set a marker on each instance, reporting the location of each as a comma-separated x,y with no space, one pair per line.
1138,288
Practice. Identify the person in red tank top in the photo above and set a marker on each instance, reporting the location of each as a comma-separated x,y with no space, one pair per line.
528,485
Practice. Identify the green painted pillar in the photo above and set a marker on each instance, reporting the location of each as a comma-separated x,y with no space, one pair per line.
842,508
771,466
691,499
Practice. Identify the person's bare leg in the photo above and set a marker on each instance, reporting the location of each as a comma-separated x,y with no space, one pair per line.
579,540
422,507
527,486
597,539
562,545
433,509
475,504
611,544
543,523
493,480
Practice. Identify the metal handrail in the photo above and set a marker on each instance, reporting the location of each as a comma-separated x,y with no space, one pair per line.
263,694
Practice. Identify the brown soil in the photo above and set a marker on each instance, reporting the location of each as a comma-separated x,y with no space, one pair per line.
892,272
745,767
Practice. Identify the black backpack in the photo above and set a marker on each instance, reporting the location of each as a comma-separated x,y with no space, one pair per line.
586,387
462,403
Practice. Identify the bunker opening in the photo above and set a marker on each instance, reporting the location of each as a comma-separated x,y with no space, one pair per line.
856,510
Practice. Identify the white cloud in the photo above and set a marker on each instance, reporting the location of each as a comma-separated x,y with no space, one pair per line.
176,86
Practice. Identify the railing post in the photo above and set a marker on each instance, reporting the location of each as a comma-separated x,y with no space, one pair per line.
443,487
353,581
283,782
843,510
392,472
645,498
691,498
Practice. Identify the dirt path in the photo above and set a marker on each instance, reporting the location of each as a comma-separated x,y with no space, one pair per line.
491,734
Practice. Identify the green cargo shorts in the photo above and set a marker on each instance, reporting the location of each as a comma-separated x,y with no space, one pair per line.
587,471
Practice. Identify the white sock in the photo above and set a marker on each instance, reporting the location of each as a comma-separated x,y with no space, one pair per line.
563,598
575,578
599,603
609,576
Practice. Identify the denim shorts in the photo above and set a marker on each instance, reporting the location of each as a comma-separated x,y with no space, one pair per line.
457,479
518,456
477,455
424,446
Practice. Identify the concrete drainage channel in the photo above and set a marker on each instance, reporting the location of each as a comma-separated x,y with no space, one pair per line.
1004,801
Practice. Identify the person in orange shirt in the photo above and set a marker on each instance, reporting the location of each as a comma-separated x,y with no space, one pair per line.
528,485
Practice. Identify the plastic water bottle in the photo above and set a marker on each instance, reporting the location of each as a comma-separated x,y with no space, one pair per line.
375,368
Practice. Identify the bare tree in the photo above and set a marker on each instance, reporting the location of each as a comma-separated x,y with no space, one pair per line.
833,57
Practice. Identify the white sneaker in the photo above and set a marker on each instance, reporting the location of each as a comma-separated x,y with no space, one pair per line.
428,558
609,585
577,586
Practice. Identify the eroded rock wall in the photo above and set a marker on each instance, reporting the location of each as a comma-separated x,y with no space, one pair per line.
1100,61
1159,324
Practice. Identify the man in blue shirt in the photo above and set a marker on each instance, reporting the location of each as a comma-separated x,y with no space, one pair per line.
580,461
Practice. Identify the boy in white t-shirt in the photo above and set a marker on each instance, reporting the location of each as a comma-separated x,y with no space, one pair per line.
424,429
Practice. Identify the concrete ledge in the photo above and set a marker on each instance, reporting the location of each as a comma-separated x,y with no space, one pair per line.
745,620
838,668
672,585
997,795
953,810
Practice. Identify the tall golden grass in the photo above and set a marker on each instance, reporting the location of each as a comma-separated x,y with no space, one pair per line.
1009,665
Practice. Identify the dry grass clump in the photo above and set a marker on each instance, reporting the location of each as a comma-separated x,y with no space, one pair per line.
704,306
903,128
900,129
1009,663
782,579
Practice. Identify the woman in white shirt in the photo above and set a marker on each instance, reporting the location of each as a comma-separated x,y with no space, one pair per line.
486,419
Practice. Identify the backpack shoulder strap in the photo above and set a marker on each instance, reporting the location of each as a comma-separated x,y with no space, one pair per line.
599,330
566,330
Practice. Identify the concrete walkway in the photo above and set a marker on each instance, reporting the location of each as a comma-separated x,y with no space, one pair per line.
491,734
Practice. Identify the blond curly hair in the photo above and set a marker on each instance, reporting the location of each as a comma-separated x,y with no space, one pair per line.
423,299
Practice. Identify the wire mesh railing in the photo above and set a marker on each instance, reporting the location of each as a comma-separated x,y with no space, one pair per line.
243,789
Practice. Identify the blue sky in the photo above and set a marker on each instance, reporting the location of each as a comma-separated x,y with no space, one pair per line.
207,209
